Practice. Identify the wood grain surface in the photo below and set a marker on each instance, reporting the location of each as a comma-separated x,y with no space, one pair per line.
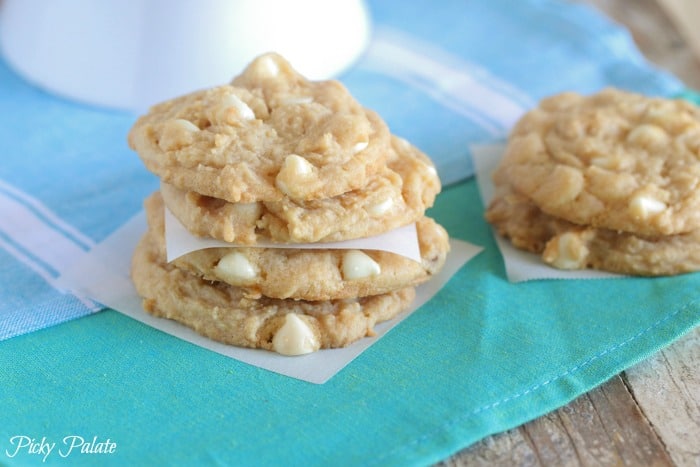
650,414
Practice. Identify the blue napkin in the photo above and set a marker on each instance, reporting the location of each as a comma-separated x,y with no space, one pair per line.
483,356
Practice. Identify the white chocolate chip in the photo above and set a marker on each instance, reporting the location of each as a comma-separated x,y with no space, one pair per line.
567,251
297,165
177,133
236,268
358,265
233,104
268,66
185,125
381,207
295,173
242,108
359,146
642,206
295,337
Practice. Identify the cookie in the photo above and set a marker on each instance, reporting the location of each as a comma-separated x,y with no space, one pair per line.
309,274
515,217
224,313
270,135
613,160
397,195
566,245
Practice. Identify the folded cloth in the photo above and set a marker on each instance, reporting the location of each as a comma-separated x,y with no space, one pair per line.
483,356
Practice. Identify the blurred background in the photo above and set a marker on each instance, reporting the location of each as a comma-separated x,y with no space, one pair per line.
130,55
666,31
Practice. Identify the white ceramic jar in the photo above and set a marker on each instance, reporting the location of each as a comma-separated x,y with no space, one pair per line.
130,54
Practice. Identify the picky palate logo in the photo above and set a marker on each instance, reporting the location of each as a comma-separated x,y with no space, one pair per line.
70,445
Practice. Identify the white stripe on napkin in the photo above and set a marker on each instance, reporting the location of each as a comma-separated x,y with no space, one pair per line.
33,234
45,273
38,238
464,87
48,216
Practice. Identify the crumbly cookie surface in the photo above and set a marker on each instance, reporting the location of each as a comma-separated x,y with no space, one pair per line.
397,195
309,274
270,134
566,245
613,160
224,313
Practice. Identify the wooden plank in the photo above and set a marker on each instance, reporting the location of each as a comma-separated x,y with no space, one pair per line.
655,35
626,427
685,14
667,389
603,427
508,448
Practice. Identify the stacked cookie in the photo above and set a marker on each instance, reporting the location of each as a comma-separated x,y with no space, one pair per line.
276,158
609,181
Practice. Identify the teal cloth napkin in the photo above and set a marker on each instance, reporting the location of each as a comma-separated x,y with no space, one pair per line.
484,355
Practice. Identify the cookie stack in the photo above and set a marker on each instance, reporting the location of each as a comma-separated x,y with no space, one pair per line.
608,181
276,158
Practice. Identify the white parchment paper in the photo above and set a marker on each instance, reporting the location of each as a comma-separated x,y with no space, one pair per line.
103,275
402,241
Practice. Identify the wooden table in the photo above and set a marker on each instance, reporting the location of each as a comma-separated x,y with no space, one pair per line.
650,414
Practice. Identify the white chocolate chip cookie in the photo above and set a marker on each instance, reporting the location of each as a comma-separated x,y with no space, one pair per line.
270,135
309,274
397,195
224,313
613,160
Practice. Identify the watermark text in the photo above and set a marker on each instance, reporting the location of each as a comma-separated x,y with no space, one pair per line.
68,446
